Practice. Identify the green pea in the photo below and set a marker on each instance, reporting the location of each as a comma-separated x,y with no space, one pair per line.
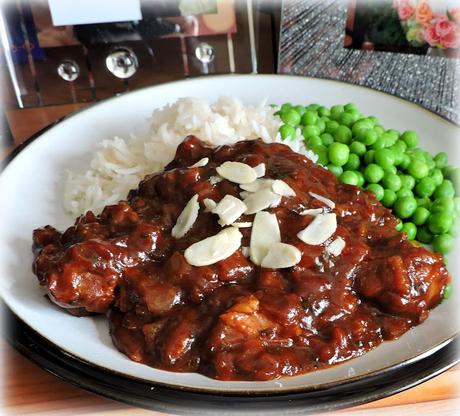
324,111
441,160
437,176
455,179
369,157
350,107
418,169
407,181
445,189
336,170
440,222
350,178
443,204
377,190
300,110
313,141
321,125
309,130
346,119
336,110
392,181
374,120
379,129
290,117
286,106
384,157
405,161
343,134
379,143
425,187
309,118
457,205
410,138
405,206
322,152
399,225
368,137
313,107
353,162
395,133
389,198
397,154
404,192
391,169
373,173
424,235
358,148
443,243
401,146
327,139
339,153
424,202
361,179
420,216
361,125
447,292
331,126
389,138
287,132
410,229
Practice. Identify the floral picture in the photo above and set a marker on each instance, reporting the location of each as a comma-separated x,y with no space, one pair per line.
429,27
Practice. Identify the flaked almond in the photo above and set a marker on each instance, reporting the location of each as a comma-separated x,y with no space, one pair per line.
336,247
201,163
215,248
229,209
215,179
323,199
319,230
209,204
265,232
313,211
282,188
281,255
257,185
261,200
244,224
237,172
186,218
260,170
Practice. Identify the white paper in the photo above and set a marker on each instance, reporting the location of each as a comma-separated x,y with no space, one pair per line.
80,12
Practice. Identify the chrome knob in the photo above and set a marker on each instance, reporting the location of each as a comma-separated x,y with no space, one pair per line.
122,63
68,70
204,53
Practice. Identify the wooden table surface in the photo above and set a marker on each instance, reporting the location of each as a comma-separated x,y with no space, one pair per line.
29,390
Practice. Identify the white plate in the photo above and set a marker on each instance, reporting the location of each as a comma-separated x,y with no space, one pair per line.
31,197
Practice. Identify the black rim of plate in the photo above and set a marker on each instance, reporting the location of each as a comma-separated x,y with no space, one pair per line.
146,395
175,401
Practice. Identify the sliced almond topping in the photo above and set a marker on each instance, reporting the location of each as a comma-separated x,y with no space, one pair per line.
265,232
261,200
229,209
215,248
257,185
260,170
237,172
282,188
324,200
319,230
209,204
281,255
215,179
186,218
242,224
336,247
201,163
313,212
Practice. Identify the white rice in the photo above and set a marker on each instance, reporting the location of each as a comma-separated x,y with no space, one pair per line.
120,164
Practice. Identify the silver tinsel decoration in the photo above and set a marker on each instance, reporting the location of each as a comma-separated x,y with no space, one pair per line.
311,43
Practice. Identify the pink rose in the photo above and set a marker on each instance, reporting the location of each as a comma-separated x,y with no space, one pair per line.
431,36
444,26
406,11
455,14
452,39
